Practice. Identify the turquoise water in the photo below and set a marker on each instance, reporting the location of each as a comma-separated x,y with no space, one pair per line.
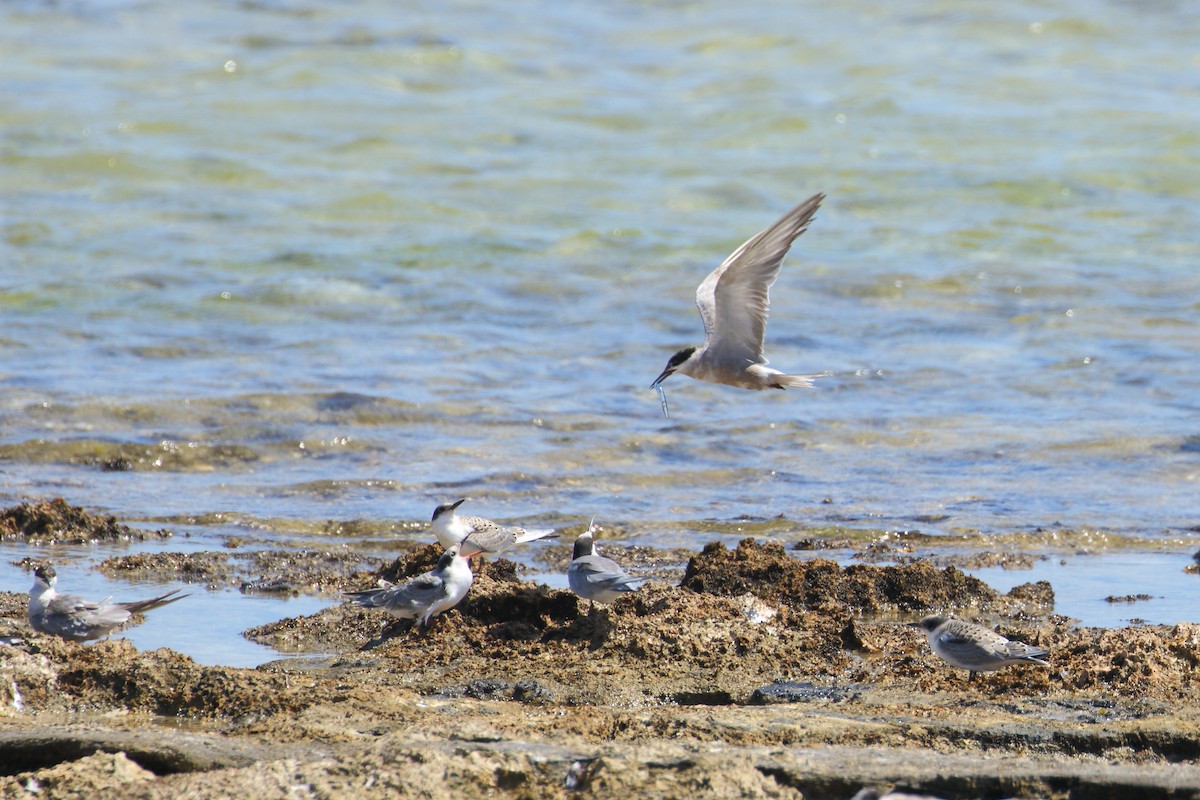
300,263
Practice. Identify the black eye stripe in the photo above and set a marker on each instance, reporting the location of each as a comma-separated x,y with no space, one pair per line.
680,357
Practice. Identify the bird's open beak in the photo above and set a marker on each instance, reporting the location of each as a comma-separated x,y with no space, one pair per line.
666,373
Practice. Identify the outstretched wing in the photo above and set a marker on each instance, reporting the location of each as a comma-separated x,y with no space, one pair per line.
734,299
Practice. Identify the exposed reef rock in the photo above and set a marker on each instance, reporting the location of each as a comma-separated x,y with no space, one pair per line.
58,522
762,676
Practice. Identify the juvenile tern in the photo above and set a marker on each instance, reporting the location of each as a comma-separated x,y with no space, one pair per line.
479,534
594,577
424,597
71,617
733,303
974,647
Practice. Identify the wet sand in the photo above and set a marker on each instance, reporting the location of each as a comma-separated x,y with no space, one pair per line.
756,675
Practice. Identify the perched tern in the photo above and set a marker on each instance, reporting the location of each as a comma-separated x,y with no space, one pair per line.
594,577
733,303
974,647
71,617
424,597
478,534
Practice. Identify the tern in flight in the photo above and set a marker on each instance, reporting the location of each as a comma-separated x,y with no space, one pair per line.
733,303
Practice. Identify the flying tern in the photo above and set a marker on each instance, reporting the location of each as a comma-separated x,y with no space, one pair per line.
733,302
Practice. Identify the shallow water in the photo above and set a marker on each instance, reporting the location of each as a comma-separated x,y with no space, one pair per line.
298,263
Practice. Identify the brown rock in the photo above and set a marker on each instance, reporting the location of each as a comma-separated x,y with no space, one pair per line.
770,573
57,521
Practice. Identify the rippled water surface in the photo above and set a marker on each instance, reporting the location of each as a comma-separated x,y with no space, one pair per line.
296,263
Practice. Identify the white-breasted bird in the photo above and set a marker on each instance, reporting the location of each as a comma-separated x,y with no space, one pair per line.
733,303
976,648
424,597
594,577
71,617
481,535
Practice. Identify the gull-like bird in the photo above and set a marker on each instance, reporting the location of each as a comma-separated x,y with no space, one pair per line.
478,534
71,617
424,597
733,303
976,648
594,577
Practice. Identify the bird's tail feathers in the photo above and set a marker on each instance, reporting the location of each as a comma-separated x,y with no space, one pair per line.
367,598
529,536
1028,652
1036,655
783,381
142,606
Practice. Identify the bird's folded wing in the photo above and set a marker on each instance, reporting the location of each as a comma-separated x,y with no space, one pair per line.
73,615
418,590
956,643
604,572
69,604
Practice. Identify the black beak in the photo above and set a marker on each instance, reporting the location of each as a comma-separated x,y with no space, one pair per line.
666,373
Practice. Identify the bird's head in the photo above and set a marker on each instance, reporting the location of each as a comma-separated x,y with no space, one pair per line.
447,508
46,574
929,624
584,545
673,364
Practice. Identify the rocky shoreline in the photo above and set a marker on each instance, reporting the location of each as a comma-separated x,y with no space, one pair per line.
756,675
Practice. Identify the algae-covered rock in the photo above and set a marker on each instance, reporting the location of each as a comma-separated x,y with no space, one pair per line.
58,522
819,584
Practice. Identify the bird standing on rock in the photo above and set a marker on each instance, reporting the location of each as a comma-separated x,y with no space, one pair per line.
733,303
974,647
424,597
479,534
71,617
594,577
